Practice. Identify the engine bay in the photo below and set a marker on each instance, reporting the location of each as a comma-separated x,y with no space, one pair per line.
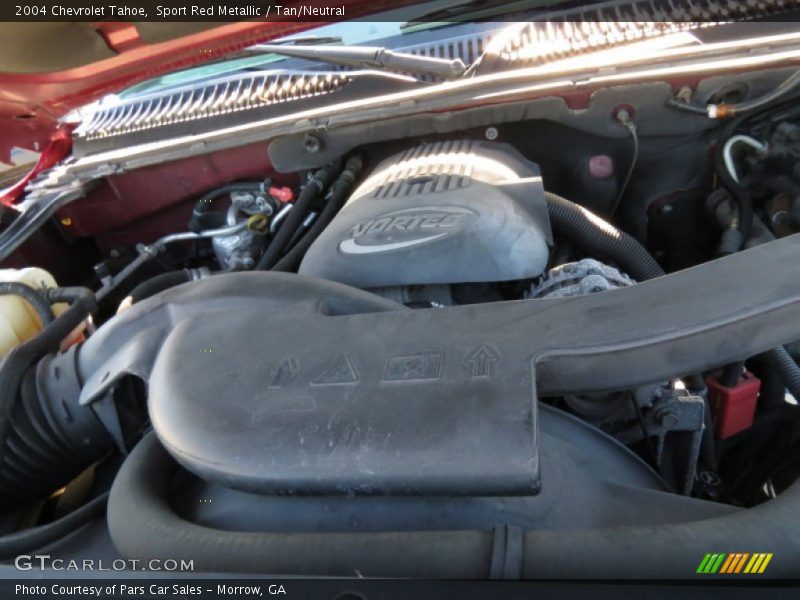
570,329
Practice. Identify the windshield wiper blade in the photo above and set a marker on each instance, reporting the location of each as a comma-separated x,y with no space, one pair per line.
472,10
300,40
372,57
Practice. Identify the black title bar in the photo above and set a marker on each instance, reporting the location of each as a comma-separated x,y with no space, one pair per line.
166,10
392,10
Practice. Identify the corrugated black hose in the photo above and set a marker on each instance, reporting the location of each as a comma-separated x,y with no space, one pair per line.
594,235
787,368
44,441
36,456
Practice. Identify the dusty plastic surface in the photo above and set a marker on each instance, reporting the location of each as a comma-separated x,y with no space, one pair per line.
445,212
276,382
241,399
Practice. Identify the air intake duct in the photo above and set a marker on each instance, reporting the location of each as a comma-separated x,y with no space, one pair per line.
46,437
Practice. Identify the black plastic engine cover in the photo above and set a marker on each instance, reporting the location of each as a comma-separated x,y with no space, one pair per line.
445,212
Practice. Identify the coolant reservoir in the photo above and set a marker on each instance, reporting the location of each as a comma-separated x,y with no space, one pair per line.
18,319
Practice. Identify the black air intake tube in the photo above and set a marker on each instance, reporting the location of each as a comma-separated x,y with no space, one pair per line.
143,525
594,235
46,439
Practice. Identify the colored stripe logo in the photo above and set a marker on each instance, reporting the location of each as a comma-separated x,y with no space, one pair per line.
734,563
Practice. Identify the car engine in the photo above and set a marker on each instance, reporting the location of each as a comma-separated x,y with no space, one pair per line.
442,213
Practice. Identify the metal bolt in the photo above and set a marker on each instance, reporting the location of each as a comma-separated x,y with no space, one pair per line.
782,218
685,94
312,144
709,478
491,133
667,417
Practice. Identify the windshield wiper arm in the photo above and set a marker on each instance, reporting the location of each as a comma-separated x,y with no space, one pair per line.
372,57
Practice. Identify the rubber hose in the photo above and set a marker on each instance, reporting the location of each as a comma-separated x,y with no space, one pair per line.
34,451
18,363
312,190
731,374
157,284
787,369
340,190
594,235
203,204
144,526
20,358
20,542
740,195
32,296
670,551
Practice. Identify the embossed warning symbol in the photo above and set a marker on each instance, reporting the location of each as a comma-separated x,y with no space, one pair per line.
340,369
286,370
480,361
413,367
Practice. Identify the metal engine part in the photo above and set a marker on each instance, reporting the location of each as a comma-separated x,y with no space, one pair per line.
672,417
240,250
444,212
670,420
585,276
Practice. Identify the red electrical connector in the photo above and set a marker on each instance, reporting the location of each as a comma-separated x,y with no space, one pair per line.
281,194
733,407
